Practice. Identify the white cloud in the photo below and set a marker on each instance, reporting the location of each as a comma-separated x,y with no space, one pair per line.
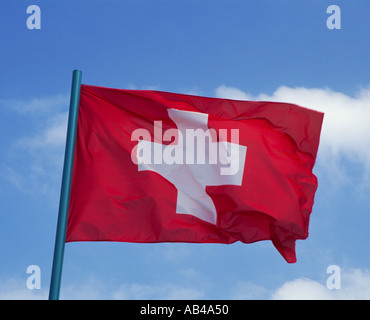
302,289
355,285
232,93
138,291
345,133
346,122
346,129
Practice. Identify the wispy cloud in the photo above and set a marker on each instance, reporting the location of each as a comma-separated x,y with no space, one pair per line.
94,288
36,106
53,134
33,162
246,290
15,288
165,291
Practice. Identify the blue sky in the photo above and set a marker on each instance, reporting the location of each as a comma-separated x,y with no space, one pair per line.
258,50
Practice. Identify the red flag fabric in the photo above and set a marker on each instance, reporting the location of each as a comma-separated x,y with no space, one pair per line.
154,166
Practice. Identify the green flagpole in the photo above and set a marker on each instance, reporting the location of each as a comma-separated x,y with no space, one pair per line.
56,274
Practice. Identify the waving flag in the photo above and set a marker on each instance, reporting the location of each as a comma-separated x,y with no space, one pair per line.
153,166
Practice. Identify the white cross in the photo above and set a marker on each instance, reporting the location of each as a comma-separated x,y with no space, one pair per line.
191,178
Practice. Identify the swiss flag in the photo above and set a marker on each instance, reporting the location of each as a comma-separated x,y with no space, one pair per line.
154,166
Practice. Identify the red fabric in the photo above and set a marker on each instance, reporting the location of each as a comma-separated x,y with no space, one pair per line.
112,201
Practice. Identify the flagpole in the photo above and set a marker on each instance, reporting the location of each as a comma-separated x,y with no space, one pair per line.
56,274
